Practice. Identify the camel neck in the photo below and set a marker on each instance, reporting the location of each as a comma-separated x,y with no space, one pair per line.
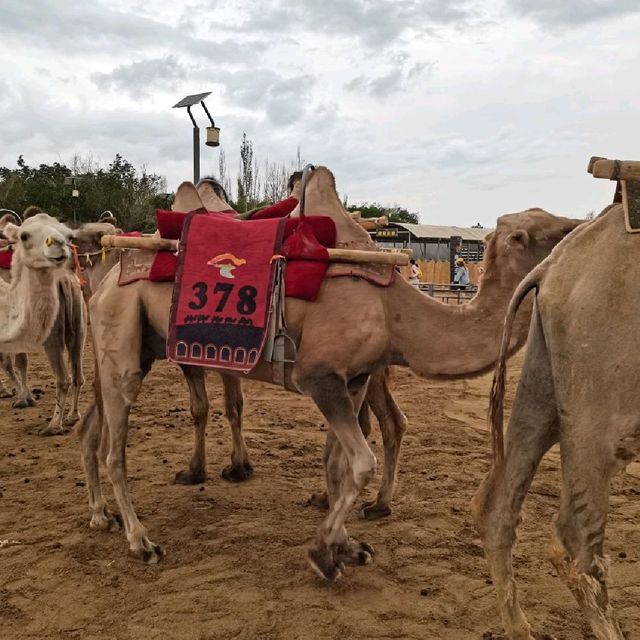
28,308
441,340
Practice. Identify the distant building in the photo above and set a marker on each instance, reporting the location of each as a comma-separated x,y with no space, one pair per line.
433,242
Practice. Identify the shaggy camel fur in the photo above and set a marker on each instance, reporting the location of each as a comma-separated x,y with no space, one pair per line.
578,387
68,332
354,329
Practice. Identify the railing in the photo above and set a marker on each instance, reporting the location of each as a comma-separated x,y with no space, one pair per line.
448,293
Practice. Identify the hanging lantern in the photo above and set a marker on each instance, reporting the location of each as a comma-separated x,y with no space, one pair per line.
213,137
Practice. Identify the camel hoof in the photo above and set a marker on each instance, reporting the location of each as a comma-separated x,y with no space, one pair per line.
50,430
71,419
106,521
322,561
190,477
237,473
318,500
24,403
354,552
149,553
375,510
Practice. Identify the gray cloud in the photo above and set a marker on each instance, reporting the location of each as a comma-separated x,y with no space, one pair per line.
377,23
284,100
77,27
389,83
566,13
139,78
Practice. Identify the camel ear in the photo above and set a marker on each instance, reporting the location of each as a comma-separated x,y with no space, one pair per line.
518,238
10,232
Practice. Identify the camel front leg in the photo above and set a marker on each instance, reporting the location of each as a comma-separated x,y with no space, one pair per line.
54,348
393,424
76,334
90,432
24,397
7,366
199,402
240,468
321,500
351,465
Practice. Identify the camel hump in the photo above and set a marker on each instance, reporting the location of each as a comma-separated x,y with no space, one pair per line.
211,200
187,198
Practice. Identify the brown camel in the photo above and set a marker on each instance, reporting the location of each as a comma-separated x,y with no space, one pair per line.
579,388
354,330
67,333
95,262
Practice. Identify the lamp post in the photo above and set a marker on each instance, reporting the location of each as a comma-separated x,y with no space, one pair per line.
72,181
213,132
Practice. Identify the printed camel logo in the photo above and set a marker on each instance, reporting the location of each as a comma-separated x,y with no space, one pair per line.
226,262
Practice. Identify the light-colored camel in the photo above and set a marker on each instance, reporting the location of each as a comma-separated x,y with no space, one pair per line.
67,333
579,387
353,330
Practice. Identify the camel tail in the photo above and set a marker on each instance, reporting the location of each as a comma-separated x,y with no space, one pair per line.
496,401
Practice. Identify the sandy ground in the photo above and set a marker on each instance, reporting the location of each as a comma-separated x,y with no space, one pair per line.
235,565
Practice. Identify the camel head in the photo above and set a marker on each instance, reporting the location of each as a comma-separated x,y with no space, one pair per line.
87,237
40,242
522,240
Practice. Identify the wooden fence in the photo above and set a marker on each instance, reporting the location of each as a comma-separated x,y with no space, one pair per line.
438,272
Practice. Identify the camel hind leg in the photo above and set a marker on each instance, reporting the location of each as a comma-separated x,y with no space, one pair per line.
240,468
393,424
533,429
199,402
578,554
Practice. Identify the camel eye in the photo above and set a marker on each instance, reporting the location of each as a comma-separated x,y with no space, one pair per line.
24,236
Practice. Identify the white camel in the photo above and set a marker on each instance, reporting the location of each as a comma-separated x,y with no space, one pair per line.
68,328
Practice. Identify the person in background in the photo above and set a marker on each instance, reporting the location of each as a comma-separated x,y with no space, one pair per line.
461,275
415,273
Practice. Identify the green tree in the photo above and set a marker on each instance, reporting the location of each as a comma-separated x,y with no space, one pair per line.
130,194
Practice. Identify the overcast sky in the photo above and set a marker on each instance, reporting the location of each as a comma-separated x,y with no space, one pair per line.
460,110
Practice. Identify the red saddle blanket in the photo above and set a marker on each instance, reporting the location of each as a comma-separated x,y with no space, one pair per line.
222,293
5,259
306,262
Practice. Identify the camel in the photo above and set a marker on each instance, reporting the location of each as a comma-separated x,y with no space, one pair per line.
578,388
353,331
68,332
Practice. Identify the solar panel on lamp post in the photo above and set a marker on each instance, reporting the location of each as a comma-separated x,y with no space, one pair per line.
213,132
